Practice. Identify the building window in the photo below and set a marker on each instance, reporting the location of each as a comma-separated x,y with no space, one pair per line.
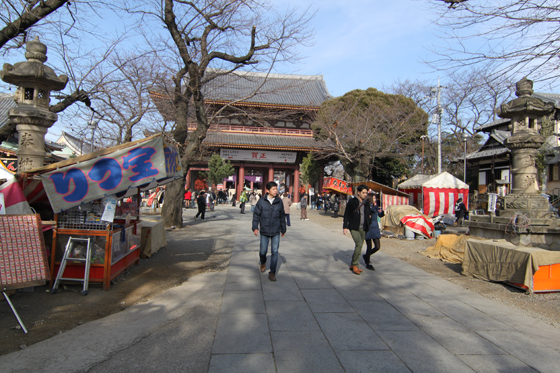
553,172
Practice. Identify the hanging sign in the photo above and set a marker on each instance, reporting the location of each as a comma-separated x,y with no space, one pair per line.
112,173
337,185
258,155
492,199
9,165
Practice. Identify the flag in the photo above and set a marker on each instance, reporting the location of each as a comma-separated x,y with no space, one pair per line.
14,200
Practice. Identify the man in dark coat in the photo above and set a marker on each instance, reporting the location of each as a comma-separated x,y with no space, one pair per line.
357,219
269,214
201,202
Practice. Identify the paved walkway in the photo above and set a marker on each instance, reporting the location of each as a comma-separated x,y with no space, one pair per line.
318,317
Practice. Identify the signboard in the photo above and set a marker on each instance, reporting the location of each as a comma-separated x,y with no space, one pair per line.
23,258
337,185
9,165
116,172
258,155
492,199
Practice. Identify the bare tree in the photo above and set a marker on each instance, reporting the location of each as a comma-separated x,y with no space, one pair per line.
521,37
18,17
221,34
363,126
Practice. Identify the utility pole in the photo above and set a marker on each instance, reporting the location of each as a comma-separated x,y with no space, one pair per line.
437,118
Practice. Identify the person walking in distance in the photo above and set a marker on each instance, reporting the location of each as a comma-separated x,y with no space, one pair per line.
374,234
357,219
287,201
303,204
269,216
460,211
242,200
335,204
201,202
253,200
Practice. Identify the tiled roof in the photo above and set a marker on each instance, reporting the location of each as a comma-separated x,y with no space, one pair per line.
224,139
78,146
487,153
6,103
549,97
500,136
275,89
496,123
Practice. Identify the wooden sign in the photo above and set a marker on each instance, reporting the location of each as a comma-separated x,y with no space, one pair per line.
23,257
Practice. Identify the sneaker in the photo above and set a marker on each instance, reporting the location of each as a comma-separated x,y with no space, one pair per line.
263,267
271,276
305,219
370,267
194,218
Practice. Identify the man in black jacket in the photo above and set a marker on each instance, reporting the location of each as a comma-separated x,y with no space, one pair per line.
269,214
357,219
201,202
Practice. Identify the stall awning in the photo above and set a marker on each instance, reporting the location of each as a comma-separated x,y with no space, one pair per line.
376,187
142,164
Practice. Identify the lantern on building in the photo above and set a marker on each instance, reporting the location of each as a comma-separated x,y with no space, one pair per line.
32,117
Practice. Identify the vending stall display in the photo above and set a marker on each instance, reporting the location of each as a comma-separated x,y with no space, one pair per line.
97,196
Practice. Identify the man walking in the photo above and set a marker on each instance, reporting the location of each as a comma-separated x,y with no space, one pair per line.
269,214
303,206
460,212
357,219
201,201
242,200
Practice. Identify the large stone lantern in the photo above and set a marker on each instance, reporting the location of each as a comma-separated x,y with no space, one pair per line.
525,140
32,117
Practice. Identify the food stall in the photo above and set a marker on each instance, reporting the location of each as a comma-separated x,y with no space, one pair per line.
97,196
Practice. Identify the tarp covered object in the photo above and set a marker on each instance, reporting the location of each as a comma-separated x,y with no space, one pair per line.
439,192
394,214
503,261
13,199
448,247
111,171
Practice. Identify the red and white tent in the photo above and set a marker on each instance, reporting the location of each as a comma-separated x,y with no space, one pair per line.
437,194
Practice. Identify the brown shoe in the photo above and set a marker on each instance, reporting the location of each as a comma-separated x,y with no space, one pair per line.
355,270
271,276
263,267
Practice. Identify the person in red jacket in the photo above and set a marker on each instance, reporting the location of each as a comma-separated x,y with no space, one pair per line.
188,195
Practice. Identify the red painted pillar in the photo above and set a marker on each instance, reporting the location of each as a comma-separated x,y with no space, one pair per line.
271,173
296,185
241,180
188,181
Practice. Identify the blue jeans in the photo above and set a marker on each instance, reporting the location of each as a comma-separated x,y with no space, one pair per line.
252,208
313,205
275,242
288,220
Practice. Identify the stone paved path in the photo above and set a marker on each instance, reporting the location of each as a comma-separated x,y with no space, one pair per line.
318,317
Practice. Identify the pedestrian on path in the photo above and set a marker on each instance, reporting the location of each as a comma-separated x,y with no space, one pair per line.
242,200
188,195
460,211
374,234
201,201
303,205
269,215
335,204
253,200
287,201
357,219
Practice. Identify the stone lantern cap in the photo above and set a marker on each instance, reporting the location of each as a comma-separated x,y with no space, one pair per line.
525,105
33,70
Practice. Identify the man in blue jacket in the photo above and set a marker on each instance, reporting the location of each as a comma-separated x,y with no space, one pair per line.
269,213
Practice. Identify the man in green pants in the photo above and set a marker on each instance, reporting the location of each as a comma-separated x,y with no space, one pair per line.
357,219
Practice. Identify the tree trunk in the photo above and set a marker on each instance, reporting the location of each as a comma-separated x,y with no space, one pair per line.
172,211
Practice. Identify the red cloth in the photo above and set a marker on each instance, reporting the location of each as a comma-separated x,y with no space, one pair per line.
419,224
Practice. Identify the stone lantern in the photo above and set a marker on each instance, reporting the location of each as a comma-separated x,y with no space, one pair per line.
524,142
32,117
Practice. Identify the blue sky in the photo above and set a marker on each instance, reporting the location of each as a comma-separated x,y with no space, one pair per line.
357,44
362,44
